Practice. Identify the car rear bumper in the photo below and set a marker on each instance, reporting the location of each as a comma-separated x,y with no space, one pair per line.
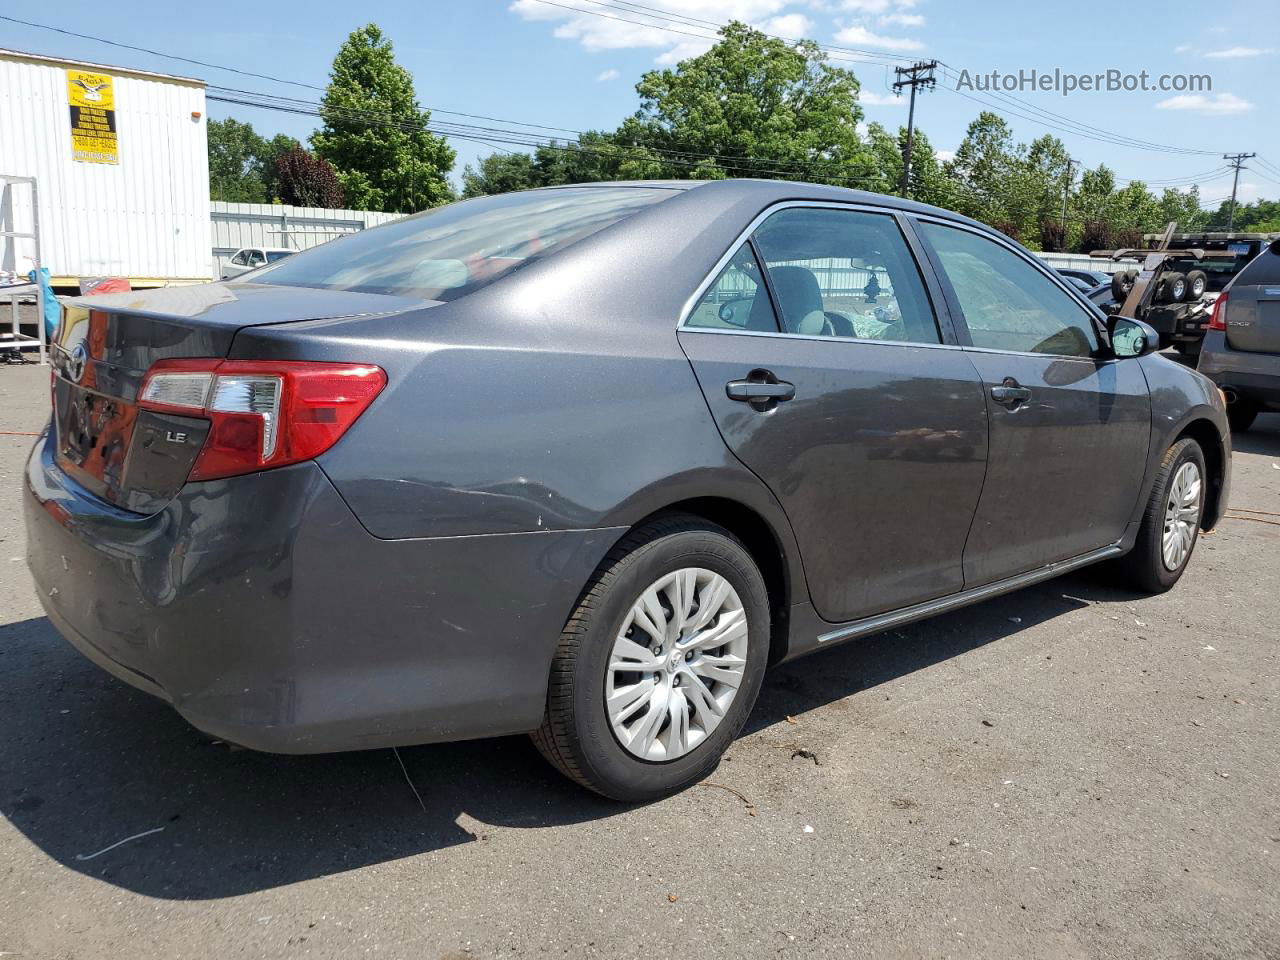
1253,375
264,612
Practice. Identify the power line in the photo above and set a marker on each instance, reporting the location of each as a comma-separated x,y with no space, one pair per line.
685,159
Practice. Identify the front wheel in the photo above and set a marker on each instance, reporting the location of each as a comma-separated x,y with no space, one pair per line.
659,664
1171,522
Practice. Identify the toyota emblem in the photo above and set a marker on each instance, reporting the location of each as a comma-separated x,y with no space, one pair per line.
77,360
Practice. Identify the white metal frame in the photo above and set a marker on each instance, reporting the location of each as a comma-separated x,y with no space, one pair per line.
19,340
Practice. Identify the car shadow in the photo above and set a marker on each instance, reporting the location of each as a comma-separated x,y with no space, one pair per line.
86,761
1262,438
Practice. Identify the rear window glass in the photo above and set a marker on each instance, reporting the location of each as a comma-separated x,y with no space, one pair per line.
448,252
1265,268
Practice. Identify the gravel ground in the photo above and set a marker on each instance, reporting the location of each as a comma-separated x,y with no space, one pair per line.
1067,771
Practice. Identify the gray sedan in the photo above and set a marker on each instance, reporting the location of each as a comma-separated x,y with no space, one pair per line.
582,462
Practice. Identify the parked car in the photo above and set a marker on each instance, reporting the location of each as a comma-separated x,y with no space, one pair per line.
251,258
583,461
1082,285
1090,278
1241,351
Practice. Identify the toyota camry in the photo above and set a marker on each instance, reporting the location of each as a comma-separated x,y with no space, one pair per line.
582,462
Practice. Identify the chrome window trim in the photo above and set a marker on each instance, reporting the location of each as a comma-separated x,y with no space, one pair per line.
892,213
782,335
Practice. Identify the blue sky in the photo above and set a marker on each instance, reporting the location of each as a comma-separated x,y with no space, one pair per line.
534,61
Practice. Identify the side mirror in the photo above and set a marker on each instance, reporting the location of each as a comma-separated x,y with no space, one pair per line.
1131,338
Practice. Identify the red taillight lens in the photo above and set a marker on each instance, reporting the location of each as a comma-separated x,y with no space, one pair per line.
262,413
1218,318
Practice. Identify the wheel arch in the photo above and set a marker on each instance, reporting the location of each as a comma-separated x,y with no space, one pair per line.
763,541
1205,433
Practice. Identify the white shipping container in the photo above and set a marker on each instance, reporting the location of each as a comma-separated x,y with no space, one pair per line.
145,216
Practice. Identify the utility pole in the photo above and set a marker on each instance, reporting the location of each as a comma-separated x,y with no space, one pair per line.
917,75
1237,161
1066,192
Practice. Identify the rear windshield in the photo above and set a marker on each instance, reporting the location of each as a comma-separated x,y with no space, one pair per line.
1265,268
448,252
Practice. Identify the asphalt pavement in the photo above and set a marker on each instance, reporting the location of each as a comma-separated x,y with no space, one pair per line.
1068,771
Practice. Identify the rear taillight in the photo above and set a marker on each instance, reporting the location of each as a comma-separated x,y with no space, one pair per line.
1218,319
262,413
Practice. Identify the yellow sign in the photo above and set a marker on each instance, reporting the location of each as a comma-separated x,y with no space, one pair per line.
92,98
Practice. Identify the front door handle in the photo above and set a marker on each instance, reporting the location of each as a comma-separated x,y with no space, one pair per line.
761,389
1010,393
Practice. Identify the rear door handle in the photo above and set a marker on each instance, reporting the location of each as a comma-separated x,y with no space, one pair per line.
754,390
1010,393
761,389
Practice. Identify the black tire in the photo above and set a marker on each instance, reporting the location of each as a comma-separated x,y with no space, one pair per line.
1122,283
1197,283
1241,412
1144,567
1173,287
576,735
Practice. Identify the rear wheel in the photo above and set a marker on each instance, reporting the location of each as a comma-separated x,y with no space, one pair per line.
1121,283
1197,281
1171,522
1173,287
660,664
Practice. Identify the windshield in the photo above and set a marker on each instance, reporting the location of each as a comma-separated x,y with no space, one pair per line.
448,252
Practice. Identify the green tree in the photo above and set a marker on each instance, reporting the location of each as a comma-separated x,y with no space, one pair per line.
235,162
981,168
242,164
929,184
375,132
499,173
751,106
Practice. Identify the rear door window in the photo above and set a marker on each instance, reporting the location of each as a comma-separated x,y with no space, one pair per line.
738,299
845,273
448,252
1007,303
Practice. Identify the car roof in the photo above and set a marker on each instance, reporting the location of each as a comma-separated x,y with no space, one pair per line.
774,191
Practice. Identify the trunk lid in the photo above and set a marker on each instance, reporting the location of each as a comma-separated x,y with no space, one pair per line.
139,459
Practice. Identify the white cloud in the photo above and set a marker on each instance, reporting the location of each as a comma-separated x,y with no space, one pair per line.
902,20
861,129
607,75
872,99
1182,48
944,155
601,33
876,6
1220,103
861,36
1236,53
790,26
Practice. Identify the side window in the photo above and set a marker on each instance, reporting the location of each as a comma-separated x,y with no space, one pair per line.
738,299
845,273
239,259
255,258
1007,303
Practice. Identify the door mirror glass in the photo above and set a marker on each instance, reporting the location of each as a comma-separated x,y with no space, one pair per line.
1132,338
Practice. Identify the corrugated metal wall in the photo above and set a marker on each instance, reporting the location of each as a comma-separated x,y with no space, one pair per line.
1081,261
146,216
237,225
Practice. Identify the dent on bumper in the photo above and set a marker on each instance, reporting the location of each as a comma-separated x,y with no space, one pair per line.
268,616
